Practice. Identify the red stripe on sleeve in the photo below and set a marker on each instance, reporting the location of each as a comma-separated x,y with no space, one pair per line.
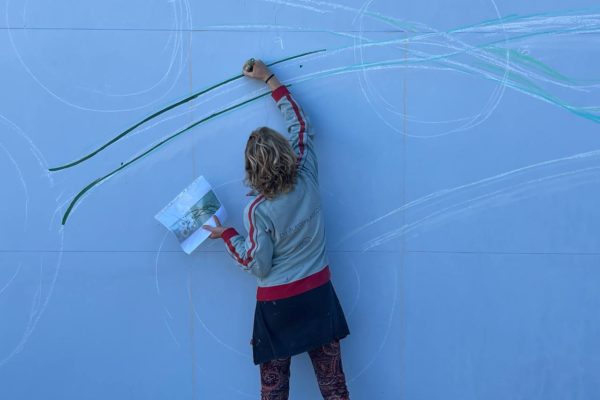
302,126
249,254
278,93
233,252
230,232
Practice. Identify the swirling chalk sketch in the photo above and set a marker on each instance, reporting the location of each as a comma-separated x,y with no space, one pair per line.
44,266
492,60
182,24
508,187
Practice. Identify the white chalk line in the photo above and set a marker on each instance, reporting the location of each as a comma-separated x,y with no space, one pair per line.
11,279
40,300
77,106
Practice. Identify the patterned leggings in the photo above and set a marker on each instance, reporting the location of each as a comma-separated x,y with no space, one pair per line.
327,363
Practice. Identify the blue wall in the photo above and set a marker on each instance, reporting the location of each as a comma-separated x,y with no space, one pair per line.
459,152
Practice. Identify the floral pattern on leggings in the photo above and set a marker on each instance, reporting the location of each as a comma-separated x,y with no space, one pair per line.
327,363
275,379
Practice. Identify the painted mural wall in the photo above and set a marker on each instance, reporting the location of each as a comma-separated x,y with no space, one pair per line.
459,156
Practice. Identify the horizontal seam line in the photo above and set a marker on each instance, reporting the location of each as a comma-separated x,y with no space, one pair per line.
330,251
283,29
503,252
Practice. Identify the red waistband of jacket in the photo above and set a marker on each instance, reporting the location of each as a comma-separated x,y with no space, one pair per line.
294,288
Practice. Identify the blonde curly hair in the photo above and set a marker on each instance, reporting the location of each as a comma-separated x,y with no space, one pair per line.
270,163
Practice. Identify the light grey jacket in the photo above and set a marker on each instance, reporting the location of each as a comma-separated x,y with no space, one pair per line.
286,237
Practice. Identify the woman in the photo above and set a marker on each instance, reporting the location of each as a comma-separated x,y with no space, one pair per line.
297,309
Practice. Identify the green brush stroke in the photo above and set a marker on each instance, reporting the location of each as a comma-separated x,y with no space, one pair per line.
524,85
97,181
514,80
170,107
506,19
492,47
536,64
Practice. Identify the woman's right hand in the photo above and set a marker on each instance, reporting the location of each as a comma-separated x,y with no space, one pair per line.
216,232
256,69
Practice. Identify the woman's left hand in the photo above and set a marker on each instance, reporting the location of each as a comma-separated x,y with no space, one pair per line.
215,231
256,69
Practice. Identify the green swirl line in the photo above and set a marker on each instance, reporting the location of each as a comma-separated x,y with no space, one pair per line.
150,150
164,110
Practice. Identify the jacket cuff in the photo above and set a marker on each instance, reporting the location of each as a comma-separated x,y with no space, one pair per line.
228,234
278,93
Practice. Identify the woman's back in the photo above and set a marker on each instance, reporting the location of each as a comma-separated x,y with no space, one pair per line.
297,230
286,236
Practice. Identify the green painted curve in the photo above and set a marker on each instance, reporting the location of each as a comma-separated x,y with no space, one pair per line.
150,150
164,110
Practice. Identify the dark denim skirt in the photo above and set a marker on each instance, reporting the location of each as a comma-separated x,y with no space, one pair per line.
294,325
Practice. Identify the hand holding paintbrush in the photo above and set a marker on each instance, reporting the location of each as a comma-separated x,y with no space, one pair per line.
256,69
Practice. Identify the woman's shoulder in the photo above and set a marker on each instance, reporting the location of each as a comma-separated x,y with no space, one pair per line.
254,204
